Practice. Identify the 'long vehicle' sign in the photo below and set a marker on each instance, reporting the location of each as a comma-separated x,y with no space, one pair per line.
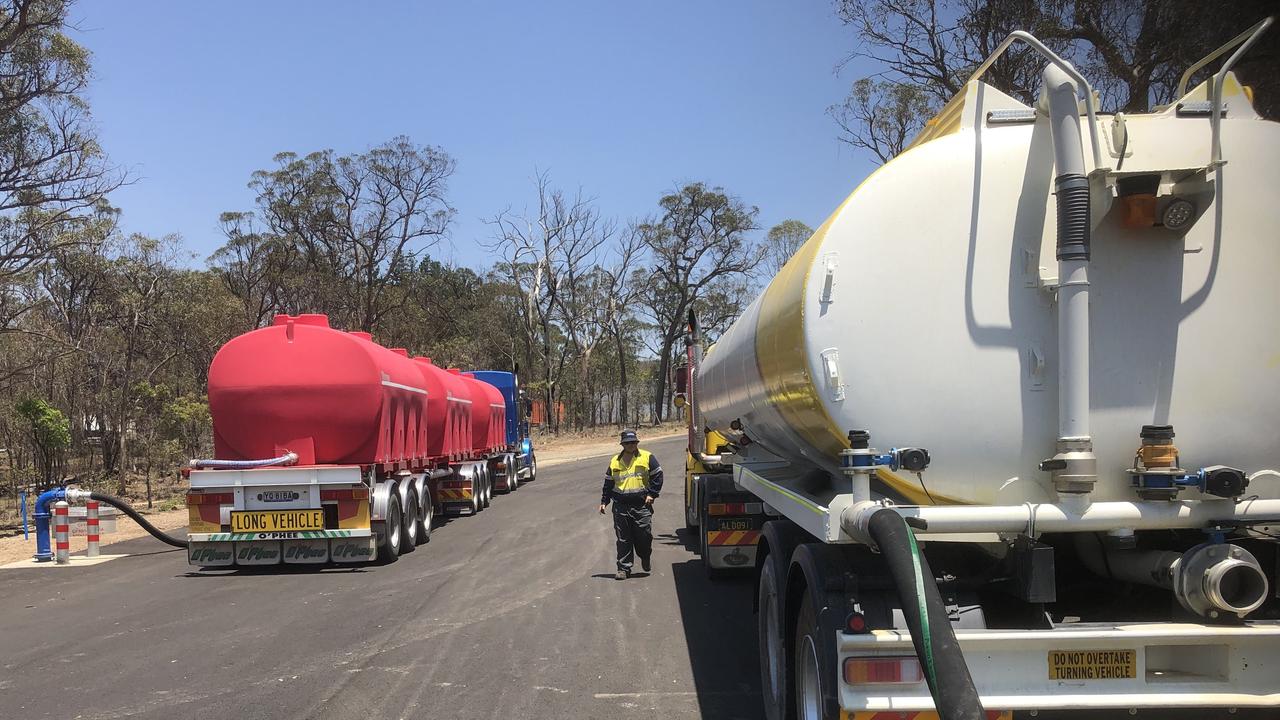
276,520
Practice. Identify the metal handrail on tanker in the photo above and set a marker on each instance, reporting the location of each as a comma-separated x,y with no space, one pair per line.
1055,59
1215,110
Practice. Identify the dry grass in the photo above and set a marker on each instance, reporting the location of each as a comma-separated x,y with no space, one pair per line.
167,493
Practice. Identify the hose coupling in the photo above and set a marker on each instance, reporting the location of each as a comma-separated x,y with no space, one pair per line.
1216,579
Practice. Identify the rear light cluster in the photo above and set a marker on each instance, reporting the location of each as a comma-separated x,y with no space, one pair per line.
210,498
883,671
734,508
358,493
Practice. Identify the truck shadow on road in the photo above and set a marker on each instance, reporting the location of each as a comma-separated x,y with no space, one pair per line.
720,633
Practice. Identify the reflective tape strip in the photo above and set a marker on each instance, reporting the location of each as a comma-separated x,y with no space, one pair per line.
301,535
61,536
733,537
91,529
913,715
410,388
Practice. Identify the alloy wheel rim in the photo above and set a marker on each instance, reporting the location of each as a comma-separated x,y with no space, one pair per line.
810,692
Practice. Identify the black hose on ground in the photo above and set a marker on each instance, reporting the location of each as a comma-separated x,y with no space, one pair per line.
944,667
124,507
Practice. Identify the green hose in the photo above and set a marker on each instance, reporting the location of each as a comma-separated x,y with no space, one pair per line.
924,610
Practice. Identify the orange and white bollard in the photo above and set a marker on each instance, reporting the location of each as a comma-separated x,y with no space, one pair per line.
62,532
91,527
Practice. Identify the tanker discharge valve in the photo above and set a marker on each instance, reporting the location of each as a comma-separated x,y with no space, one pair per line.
861,460
1157,476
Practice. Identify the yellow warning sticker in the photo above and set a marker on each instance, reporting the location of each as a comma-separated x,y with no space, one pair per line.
1093,664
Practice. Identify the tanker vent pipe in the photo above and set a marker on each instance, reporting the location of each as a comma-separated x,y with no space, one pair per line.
1074,466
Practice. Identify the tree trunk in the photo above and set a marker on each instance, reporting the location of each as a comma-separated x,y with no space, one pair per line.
660,382
622,380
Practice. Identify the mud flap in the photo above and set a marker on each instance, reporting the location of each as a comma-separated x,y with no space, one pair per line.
210,554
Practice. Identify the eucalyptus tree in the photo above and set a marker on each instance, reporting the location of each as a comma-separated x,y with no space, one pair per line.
700,240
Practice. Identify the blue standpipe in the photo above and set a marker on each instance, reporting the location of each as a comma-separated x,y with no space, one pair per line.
42,515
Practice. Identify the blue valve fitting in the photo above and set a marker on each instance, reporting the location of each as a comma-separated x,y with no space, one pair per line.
43,552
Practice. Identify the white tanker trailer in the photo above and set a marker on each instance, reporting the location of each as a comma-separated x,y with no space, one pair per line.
1061,327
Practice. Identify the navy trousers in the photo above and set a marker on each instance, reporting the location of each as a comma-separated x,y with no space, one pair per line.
634,528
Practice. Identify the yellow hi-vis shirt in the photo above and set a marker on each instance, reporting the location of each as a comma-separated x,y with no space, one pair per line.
633,477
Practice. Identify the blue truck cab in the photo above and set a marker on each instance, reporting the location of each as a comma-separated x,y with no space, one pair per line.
519,444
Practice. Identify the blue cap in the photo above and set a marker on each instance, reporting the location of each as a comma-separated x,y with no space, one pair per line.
629,436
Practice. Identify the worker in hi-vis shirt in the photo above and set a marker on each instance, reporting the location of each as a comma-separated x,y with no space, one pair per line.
632,483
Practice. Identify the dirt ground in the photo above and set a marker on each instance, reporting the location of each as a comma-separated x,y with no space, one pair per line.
551,451
573,446
16,548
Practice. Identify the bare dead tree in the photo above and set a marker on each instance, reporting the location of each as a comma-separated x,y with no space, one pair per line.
534,247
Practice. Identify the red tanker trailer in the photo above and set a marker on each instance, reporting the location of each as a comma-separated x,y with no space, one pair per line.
331,447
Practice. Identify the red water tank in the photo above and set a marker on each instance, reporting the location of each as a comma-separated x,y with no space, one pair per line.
331,397
480,418
449,411
495,407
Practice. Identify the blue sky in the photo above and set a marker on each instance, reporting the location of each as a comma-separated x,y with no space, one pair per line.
625,100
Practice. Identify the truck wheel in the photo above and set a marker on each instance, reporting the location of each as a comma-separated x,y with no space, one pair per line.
690,503
477,494
426,518
533,468
389,549
487,482
776,671
811,677
513,475
409,524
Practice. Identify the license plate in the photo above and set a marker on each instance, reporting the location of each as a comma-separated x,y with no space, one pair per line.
276,520
734,525
1093,664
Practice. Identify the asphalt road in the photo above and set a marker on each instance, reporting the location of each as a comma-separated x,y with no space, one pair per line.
513,613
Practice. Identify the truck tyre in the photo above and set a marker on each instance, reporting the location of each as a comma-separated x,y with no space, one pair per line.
811,674
426,517
776,669
513,477
477,494
409,524
691,504
533,468
487,483
389,547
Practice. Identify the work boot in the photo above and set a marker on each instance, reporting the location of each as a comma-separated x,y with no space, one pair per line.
644,563
621,575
